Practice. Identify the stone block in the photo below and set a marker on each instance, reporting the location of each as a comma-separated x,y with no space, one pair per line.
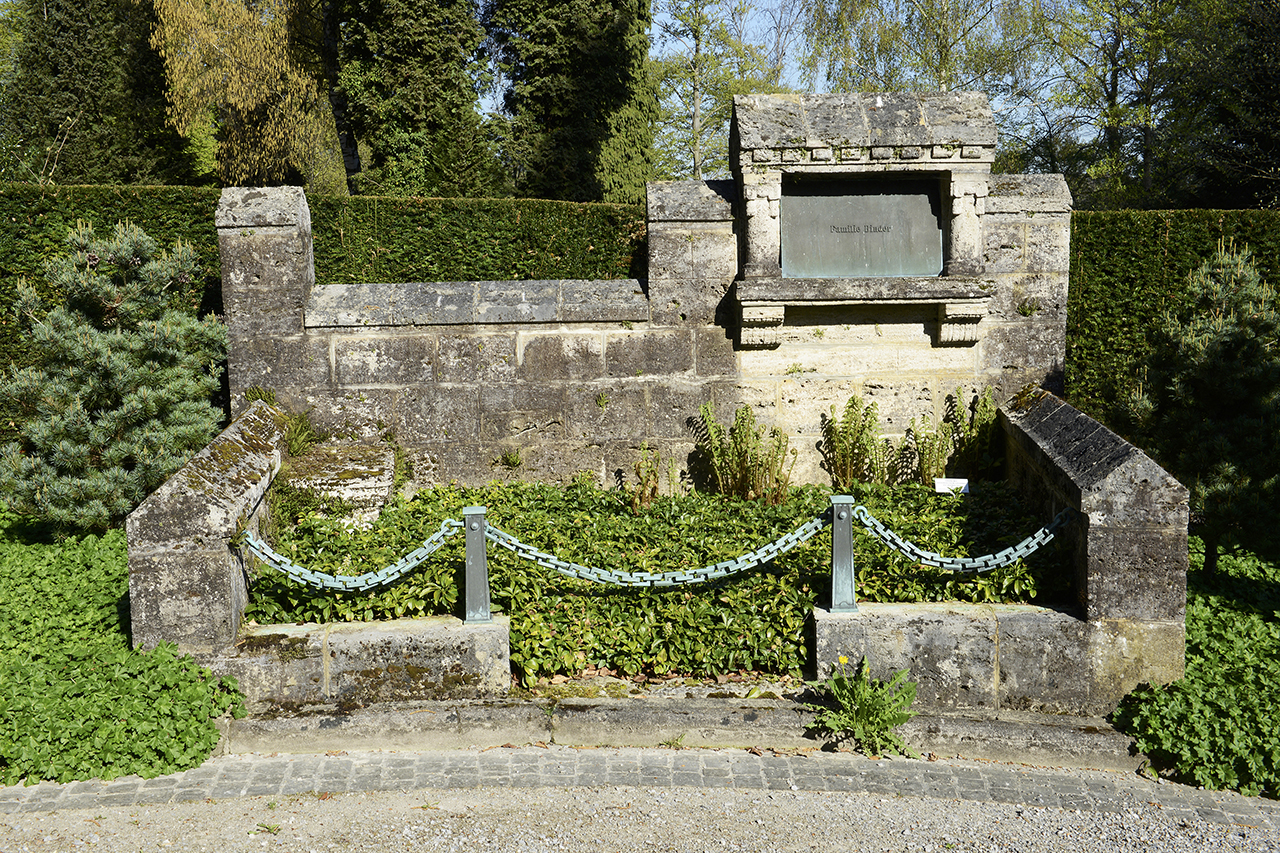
264,240
571,356
436,303
672,404
192,596
1026,352
649,353
1020,195
714,353
384,360
290,667
557,461
691,302
622,300
670,251
476,357
1049,245
899,403
714,252
1019,297
186,583
1136,574
1005,246
620,458
277,362
527,413
254,311
445,411
607,410
351,305
805,402
1045,661
1125,653
517,301
356,472
690,201
262,207
466,462
948,650
364,413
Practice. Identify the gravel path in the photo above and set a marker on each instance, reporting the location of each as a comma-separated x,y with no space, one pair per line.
702,800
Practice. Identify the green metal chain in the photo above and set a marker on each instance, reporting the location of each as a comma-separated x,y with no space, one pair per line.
367,581
964,565
750,560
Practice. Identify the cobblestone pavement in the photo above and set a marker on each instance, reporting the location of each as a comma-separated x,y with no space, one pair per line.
235,776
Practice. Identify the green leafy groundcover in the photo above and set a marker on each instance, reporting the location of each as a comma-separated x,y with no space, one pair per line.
561,626
75,701
1219,727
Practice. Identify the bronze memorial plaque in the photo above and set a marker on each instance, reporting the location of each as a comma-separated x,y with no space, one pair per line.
861,228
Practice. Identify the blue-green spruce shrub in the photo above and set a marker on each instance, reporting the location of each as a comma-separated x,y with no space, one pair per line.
118,397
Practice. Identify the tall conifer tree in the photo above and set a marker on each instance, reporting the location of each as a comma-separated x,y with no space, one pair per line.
580,98
408,76
87,99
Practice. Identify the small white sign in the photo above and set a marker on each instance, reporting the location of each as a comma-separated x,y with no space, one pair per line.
943,485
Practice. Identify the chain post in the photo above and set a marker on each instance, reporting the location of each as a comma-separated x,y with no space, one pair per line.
477,580
843,595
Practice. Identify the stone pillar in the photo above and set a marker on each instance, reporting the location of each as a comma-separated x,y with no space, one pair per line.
762,200
693,250
968,198
1130,543
264,237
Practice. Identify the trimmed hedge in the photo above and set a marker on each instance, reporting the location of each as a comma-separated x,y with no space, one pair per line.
1129,266
373,239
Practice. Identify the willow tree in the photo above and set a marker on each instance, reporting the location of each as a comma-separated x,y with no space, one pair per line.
243,68
924,45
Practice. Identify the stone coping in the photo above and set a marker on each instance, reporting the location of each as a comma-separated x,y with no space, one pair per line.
448,303
846,290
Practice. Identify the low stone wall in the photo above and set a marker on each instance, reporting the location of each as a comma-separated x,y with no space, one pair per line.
1130,561
565,376
188,585
186,581
294,668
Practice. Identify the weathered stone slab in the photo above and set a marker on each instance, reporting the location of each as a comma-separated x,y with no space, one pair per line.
352,305
1134,560
352,664
1028,194
818,122
359,473
1002,657
186,581
384,360
948,650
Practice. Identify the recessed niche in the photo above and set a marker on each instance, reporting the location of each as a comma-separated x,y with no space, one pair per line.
863,227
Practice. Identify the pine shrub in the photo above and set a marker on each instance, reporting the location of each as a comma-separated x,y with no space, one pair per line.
1207,402
118,397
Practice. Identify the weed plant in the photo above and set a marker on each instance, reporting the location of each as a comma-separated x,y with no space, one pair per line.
863,709
560,625
1219,727
76,702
